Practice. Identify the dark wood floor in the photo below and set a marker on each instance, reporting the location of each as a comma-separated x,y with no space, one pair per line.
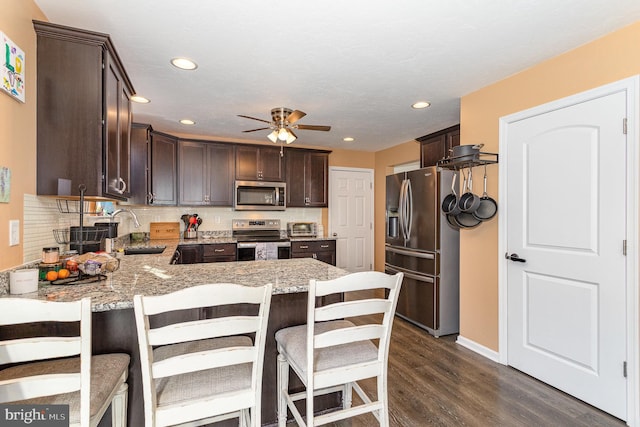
436,382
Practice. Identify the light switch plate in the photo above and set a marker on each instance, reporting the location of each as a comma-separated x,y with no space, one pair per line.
14,232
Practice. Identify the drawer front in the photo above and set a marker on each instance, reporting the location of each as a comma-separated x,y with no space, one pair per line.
219,252
313,246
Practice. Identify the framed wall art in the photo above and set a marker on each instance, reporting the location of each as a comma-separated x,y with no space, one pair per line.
12,69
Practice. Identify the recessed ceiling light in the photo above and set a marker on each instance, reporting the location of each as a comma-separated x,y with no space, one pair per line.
420,104
348,139
187,122
184,63
140,99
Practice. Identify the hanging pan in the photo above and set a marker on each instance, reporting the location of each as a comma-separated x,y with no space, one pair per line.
450,202
469,202
466,219
487,207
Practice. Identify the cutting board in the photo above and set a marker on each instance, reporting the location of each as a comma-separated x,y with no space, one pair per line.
164,230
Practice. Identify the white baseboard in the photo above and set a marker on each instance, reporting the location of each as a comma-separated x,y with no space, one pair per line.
478,348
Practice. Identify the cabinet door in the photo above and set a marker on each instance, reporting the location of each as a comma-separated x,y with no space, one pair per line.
192,172
258,163
270,163
453,139
433,150
117,132
317,179
221,172
163,170
295,172
307,178
139,164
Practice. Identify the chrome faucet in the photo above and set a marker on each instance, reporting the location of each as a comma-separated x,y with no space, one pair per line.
136,223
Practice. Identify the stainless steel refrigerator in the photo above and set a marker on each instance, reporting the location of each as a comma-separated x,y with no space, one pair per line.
421,243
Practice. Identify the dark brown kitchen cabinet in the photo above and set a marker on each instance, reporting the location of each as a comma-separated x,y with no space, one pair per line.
256,162
163,171
219,252
307,174
83,113
435,146
322,250
206,173
140,190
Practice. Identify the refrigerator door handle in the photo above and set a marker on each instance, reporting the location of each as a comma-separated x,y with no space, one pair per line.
410,253
408,274
402,211
409,198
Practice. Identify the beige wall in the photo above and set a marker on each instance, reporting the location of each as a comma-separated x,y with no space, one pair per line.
603,61
18,125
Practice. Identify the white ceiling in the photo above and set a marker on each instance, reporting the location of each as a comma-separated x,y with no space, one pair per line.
356,65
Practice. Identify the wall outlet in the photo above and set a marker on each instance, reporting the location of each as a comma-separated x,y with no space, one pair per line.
14,232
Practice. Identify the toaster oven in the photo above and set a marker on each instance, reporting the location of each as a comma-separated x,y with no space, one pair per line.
302,229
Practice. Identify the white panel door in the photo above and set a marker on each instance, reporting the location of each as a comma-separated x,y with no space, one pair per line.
350,217
566,224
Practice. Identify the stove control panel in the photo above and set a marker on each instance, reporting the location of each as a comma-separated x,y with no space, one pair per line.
255,224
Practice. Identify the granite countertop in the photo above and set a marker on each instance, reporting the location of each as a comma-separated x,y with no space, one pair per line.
153,275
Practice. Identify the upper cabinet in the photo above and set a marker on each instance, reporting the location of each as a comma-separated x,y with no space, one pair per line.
258,163
153,167
83,113
206,173
307,177
435,146
163,170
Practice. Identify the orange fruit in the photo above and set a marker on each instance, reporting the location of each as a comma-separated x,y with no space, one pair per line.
52,275
63,273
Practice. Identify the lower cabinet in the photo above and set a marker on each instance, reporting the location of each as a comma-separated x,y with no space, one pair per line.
219,252
322,250
197,253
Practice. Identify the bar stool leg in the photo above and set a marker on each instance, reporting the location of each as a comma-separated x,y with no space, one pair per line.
283,389
119,407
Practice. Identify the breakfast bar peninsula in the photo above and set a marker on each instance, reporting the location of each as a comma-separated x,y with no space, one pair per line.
114,323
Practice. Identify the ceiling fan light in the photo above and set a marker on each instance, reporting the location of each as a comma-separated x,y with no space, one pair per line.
292,137
283,134
273,136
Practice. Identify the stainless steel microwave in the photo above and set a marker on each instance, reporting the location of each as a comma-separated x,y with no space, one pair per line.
260,196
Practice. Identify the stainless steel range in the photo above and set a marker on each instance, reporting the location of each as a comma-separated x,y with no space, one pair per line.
260,239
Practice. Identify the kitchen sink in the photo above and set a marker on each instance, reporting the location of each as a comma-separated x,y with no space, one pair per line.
143,250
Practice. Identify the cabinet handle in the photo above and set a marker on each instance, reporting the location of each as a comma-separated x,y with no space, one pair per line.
315,256
218,250
324,246
121,188
150,198
304,246
307,200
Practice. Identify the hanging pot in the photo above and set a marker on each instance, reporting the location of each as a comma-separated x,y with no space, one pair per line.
487,207
463,153
469,202
450,202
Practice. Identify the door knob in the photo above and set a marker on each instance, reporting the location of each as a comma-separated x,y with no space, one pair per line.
514,257
335,234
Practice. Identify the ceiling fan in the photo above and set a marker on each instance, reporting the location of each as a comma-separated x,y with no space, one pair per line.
282,122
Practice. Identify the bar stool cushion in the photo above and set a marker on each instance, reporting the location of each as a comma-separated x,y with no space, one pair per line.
201,384
293,341
106,371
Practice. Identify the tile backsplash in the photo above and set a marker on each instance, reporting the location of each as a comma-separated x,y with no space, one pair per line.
42,215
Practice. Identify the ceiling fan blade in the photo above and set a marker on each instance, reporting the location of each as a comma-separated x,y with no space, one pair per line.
253,130
313,127
295,116
253,118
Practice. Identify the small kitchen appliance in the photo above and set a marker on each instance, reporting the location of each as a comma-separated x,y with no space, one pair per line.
302,229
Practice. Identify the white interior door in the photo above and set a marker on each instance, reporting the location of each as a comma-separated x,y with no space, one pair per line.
566,216
350,217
